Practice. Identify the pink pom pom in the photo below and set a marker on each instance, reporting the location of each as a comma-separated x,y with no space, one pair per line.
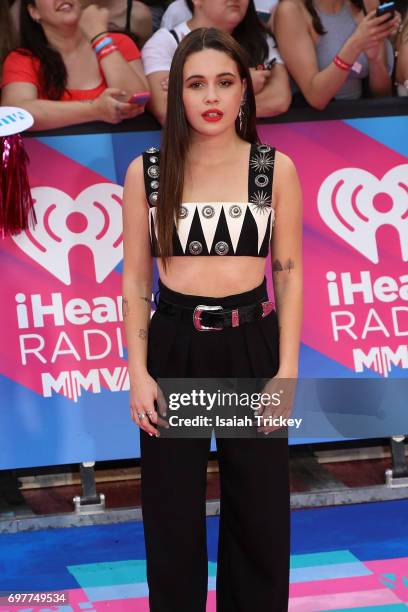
16,204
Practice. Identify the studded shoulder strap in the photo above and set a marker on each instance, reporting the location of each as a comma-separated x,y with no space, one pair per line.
260,176
151,171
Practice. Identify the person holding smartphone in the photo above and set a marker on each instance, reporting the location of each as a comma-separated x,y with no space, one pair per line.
211,205
331,46
67,58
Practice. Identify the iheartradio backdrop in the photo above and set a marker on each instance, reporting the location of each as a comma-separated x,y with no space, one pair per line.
63,375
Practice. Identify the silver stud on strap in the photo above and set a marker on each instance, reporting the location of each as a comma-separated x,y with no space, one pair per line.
261,180
208,212
195,247
235,211
153,172
153,197
221,248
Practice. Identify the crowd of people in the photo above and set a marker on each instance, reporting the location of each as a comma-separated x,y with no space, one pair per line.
73,61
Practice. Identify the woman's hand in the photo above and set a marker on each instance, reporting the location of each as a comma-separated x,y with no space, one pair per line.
143,393
281,390
396,24
372,30
109,107
164,84
94,20
376,53
259,79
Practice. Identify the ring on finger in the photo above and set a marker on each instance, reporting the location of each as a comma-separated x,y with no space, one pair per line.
141,415
149,412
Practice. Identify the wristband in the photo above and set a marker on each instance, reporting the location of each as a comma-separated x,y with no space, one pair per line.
106,51
105,42
96,42
98,35
342,64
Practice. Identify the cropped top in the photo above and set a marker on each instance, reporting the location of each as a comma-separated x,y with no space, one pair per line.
219,228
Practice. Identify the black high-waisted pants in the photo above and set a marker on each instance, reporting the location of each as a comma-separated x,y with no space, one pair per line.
254,529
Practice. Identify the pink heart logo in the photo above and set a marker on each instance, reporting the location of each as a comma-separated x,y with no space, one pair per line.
354,204
93,219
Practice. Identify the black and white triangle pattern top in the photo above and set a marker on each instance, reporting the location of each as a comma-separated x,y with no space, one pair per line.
219,228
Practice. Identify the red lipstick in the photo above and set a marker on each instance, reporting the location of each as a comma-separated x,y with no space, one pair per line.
212,114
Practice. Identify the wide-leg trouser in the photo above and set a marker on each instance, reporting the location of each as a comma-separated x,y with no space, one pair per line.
254,531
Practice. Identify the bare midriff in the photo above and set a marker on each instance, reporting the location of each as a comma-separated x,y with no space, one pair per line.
213,276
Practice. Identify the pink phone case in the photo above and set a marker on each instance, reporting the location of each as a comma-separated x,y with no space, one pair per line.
139,98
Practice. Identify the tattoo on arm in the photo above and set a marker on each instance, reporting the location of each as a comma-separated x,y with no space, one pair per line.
145,299
277,266
125,307
142,333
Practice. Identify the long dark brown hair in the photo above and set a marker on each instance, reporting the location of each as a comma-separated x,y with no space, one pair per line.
53,73
316,21
175,136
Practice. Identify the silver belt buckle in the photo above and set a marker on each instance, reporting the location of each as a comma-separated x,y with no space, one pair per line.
197,317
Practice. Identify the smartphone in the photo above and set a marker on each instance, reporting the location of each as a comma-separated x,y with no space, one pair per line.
267,66
386,7
270,65
139,98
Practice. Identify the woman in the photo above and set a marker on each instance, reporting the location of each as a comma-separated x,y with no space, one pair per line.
178,11
67,58
225,191
330,46
271,86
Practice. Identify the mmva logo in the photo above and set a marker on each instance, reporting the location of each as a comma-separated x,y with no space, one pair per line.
354,204
94,220
381,358
71,383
